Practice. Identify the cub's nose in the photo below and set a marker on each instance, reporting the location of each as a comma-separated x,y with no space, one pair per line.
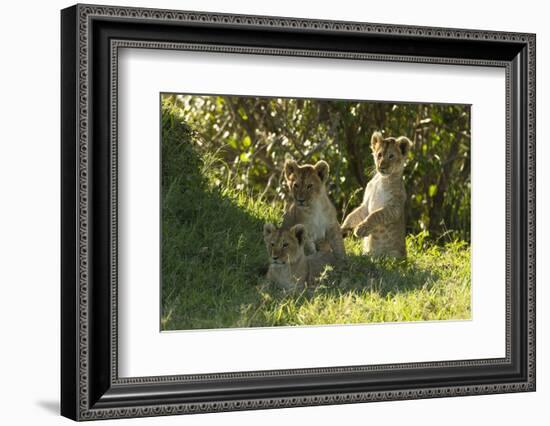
275,257
300,201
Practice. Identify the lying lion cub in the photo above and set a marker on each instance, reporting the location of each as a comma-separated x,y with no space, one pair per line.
289,266
312,207
380,219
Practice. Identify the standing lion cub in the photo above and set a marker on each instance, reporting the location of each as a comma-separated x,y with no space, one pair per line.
312,207
380,219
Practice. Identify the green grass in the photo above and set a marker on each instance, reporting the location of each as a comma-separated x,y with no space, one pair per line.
214,261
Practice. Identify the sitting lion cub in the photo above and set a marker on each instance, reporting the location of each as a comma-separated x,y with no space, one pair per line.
289,266
380,219
312,207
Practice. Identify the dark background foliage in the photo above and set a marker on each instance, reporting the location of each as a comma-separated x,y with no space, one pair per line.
253,136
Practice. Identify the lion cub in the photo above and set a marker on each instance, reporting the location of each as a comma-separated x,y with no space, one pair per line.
312,207
289,266
380,219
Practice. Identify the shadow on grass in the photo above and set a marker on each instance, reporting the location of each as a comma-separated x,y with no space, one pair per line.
212,248
363,273
383,275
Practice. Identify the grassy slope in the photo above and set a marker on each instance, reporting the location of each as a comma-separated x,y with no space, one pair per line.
213,253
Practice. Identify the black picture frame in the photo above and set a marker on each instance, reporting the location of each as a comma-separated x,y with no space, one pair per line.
90,386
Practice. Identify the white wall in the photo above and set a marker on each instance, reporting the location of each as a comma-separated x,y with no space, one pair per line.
29,213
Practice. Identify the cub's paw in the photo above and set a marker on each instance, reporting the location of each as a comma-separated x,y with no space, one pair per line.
346,231
362,230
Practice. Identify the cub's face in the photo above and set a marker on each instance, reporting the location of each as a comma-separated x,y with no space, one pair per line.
306,182
284,245
389,153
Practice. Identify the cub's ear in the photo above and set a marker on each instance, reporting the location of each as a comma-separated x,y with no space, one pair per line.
269,229
290,168
322,169
404,144
299,232
376,140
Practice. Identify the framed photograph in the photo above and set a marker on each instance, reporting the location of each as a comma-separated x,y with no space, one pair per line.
263,212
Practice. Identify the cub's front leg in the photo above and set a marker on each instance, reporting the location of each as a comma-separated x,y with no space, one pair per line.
377,218
309,246
334,236
355,217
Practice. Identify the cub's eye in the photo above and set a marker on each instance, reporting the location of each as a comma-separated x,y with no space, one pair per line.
391,156
309,186
272,244
295,185
285,245
379,155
